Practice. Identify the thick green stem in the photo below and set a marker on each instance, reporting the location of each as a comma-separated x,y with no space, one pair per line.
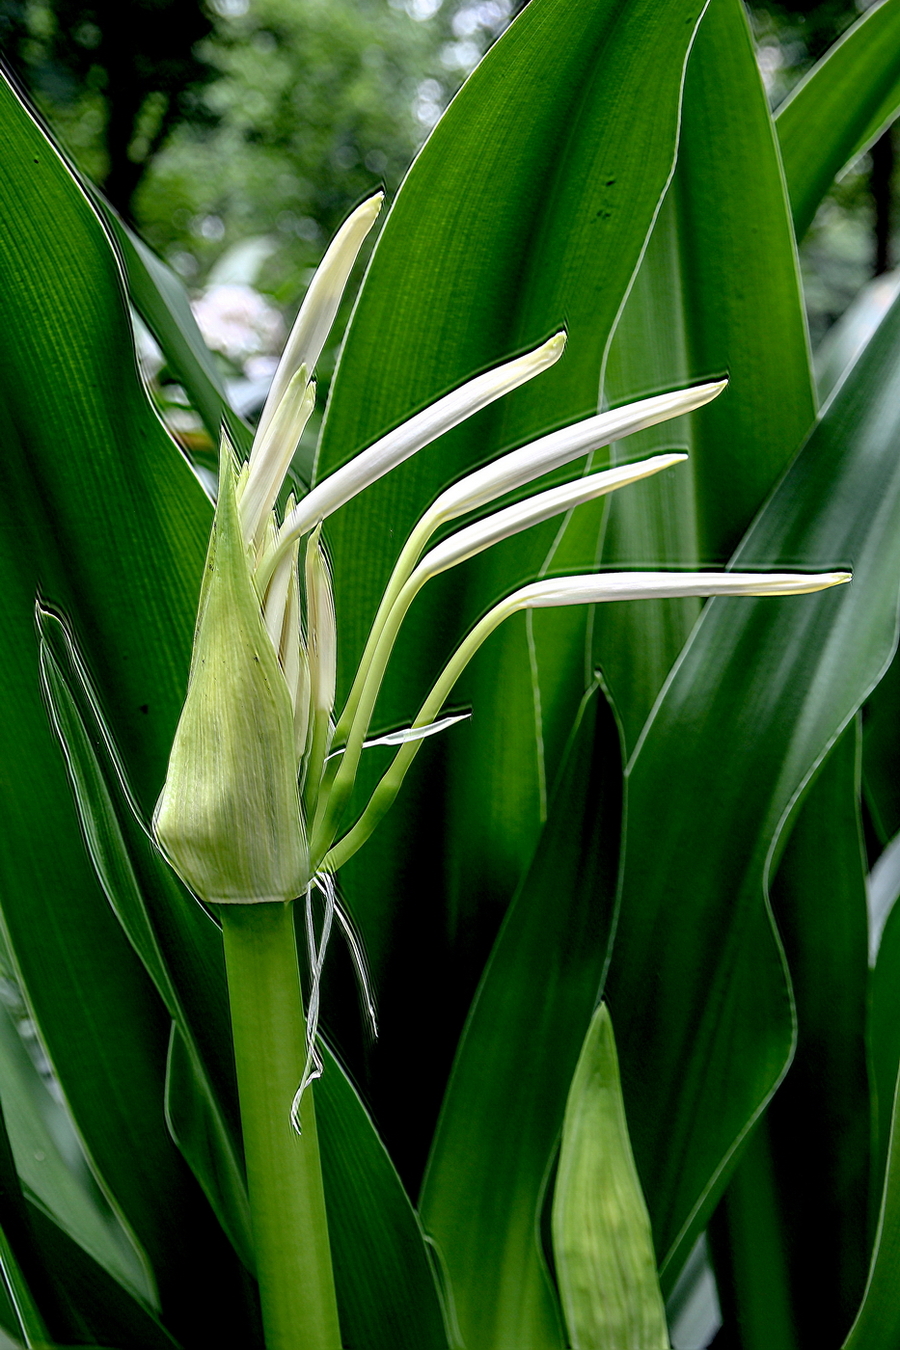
284,1176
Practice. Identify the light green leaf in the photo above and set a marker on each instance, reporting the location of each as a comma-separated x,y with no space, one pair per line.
602,1244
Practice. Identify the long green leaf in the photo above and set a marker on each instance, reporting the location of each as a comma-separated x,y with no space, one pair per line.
794,1234
527,209
839,108
102,515
717,291
49,1166
120,850
697,984
161,300
385,1283
506,1098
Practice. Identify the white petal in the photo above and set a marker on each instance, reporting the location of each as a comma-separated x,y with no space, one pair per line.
272,453
480,535
561,447
407,734
321,627
419,431
667,585
313,323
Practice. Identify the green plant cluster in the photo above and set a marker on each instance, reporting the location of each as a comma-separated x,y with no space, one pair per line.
669,820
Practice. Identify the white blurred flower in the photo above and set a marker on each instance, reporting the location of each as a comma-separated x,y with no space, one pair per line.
238,322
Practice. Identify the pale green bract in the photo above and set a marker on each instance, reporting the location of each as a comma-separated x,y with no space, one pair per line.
254,797
602,1243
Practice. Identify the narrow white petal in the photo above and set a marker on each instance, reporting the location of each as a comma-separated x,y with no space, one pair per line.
276,601
321,627
667,585
480,535
419,431
561,447
313,323
408,734
272,453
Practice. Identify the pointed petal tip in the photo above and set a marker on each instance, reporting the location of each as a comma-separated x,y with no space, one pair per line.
372,205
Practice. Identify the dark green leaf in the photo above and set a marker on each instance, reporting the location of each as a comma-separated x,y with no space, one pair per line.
386,1288
794,1231
103,516
698,989
839,108
161,300
505,1102
717,292
526,210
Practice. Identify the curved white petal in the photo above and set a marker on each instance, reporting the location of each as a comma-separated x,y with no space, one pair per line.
480,535
419,431
320,305
518,467
583,590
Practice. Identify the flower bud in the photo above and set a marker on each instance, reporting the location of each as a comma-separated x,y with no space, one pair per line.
229,818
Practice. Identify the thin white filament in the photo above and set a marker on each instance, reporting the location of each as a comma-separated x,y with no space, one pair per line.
409,733
316,951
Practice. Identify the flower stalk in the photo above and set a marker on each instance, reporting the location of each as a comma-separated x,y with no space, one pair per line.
253,772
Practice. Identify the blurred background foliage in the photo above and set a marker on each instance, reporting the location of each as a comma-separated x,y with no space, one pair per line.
236,134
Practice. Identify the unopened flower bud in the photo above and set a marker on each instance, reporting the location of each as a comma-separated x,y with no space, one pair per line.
229,818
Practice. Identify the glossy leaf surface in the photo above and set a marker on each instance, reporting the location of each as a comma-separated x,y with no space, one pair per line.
761,691
473,264
602,1244
793,1234
506,1098
686,319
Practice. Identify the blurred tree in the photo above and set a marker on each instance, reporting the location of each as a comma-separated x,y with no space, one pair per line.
122,71
316,102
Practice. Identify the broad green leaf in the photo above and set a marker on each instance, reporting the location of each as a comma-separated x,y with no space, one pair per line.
717,291
102,515
793,1230
602,1244
51,1168
506,1098
839,108
385,1284
120,849
159,297
697,985
527,209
